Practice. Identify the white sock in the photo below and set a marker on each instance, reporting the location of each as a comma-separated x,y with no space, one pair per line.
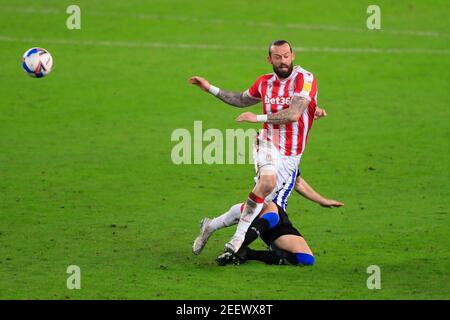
252,208
227,219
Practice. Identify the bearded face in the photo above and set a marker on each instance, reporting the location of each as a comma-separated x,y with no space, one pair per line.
283,70
281,58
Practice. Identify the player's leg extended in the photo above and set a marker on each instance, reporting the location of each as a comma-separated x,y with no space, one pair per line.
277,257
253,206
209,226
266,221
266,157
286,246
296,249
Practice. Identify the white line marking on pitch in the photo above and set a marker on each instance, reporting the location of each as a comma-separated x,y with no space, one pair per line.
136,44
299,26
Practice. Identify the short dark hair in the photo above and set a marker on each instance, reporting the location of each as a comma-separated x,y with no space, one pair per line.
278,43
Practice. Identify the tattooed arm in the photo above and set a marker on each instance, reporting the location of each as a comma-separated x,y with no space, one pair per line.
291,114
236,99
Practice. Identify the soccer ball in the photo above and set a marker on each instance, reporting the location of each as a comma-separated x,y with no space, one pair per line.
37,62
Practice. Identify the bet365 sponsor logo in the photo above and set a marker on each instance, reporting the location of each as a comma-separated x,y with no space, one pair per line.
277,100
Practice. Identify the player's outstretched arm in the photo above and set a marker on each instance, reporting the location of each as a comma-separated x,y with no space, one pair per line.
291,114
236,99
304,189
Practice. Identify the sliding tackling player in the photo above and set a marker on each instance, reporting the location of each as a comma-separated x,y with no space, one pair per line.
273,226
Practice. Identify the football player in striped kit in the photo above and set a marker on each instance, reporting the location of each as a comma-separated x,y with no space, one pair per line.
289,100
277,232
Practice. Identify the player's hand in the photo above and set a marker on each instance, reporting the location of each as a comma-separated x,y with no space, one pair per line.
319,113
200,82
247,117
331,204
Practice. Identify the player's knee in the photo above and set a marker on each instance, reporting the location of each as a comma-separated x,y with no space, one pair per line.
272,218
267,183
304,259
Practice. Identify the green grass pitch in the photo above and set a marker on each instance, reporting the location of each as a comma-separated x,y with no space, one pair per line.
86,176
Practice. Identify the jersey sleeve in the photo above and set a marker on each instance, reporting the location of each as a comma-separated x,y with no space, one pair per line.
255,90
305,86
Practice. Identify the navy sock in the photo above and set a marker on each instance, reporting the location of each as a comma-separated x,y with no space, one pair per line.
269,257
259,226
256,228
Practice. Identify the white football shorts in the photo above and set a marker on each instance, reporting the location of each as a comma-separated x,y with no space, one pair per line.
268,160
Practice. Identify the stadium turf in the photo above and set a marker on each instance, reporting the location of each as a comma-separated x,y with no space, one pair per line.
86,176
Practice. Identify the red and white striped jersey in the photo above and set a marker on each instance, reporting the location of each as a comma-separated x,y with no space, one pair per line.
276,95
